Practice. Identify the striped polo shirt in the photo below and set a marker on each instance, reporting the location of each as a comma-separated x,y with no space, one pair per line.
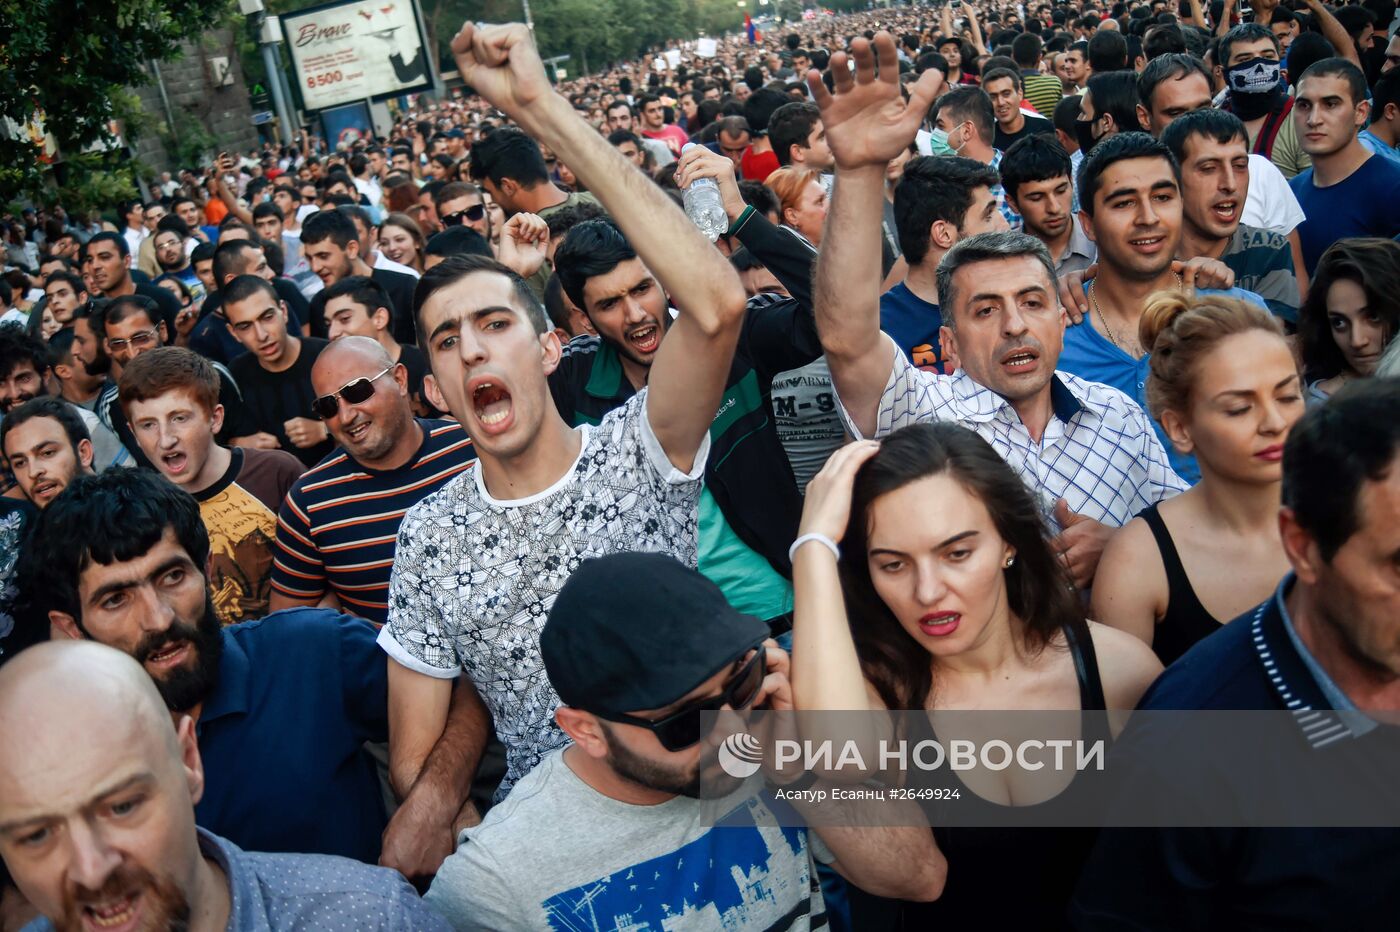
337,527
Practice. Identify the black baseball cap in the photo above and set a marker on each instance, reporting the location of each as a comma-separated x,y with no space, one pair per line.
635,631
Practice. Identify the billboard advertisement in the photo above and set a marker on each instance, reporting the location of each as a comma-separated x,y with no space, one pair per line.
349,51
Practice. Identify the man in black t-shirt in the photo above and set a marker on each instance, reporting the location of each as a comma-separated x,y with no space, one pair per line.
331,244
107,259
275,373
236,255
358,306
1004,87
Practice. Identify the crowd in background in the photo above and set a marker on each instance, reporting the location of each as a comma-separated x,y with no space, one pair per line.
383,516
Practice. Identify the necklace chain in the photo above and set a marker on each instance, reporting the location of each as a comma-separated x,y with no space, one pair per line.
1112,338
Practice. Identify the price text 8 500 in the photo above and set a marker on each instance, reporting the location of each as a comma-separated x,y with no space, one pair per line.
324,78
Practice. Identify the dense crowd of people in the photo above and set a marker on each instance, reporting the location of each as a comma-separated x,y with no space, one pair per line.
382,519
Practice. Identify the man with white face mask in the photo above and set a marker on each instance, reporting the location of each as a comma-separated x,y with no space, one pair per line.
964,124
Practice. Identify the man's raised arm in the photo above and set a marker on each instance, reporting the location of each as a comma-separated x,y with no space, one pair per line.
687,381
867,123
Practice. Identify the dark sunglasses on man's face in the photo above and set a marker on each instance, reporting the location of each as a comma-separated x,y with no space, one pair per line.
355,392
472,214
685,727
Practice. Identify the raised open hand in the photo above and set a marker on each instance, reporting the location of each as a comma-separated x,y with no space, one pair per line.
867,120
502,65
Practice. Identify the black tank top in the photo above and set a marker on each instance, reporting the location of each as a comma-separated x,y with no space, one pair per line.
1186,620
1003,878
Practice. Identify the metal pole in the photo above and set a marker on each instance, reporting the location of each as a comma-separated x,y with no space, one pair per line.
284,120
164,100
529,21
287,99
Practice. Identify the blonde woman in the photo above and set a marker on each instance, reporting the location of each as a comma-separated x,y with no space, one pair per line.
802,201
1225,387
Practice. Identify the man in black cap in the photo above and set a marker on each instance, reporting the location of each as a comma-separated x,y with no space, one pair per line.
618,829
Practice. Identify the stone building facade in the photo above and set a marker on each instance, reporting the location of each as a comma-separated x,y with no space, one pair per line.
197,98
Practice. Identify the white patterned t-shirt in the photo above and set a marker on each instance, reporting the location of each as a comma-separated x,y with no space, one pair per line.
474,577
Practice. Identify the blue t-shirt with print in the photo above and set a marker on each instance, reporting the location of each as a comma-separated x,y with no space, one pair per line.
1090,355
913,324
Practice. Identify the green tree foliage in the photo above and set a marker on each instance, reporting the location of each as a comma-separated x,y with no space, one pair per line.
598,32
68,61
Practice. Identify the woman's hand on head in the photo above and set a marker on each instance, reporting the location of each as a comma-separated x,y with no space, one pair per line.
828,504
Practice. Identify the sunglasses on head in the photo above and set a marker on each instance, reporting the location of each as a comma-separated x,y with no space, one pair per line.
472,214
685,727
355,392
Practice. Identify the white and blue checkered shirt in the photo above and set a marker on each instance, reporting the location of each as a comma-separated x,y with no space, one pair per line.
1013,219
1099,452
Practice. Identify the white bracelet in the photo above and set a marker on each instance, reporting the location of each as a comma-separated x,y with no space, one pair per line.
822,539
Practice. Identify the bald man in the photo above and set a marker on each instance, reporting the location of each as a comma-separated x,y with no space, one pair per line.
359,306
97,817
283,705
336,530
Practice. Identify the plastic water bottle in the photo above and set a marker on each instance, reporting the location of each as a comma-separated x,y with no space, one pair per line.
704,206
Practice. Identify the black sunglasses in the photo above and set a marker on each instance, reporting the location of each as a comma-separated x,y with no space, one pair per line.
685,727
355,392
472,214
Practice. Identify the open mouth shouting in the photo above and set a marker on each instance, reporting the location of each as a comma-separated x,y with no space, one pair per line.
939,624
116,915
644,339
1021,360
491,403
170,654
1227,211
175,463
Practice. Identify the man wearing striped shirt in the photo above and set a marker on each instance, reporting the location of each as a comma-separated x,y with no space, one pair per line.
336,530
1042,90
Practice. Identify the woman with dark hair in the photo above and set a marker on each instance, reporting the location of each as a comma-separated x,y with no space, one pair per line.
41,323
179,289
957,602
1350,314
706,113
1224,385
400,197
